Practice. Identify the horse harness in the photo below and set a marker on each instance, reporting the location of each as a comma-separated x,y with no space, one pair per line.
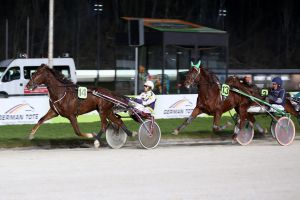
209,82
65,93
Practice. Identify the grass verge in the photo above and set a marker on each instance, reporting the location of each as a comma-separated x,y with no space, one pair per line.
60,133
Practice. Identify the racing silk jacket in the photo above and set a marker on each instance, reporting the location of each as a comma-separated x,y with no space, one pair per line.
147,99
277,96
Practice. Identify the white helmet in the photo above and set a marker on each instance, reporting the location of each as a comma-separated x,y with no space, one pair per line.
149,84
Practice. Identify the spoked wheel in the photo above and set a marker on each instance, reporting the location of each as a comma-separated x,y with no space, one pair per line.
149,134
116,138
272,128
244,135
285,131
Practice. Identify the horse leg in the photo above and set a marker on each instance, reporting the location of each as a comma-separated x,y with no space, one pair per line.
103,117
113,118
291,109
75,126
49,115
216,122
260,129
187,121
244,116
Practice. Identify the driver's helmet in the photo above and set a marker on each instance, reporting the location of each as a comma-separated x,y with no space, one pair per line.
149,84
277,80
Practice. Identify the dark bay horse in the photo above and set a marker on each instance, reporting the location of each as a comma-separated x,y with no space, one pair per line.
209,99
64,101
255,91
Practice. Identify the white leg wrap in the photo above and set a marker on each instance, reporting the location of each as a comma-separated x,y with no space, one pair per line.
256,109
279,107
89,135
258,126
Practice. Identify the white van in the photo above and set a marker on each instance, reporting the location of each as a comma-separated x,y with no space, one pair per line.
15,74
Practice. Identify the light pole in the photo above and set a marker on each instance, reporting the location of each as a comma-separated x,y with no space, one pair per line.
50,36
222,14
6,38
98,8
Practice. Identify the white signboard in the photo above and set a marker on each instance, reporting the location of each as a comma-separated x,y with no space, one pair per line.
23,110
29,109
174,106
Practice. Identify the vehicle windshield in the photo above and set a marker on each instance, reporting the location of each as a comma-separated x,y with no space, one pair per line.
2,69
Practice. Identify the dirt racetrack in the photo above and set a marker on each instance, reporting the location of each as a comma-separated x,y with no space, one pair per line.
262,170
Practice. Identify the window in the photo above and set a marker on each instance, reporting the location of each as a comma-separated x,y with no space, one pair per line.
65,70
12,74
28,71
2,69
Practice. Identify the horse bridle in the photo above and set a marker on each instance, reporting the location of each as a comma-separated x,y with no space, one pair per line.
198,73
34,85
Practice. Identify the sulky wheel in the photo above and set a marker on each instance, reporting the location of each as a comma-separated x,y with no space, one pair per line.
244,135
116,138
149,134
285,131
272,128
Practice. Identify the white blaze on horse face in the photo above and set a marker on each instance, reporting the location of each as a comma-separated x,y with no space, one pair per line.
31,87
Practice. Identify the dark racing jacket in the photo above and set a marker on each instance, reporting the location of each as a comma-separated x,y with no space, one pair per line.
277,96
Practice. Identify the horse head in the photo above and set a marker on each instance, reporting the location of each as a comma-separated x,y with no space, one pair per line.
235,82
38,78
193,74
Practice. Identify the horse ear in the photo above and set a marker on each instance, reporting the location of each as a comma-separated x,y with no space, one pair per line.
197,66
192,64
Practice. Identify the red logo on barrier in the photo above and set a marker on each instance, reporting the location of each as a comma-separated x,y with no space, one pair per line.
38,90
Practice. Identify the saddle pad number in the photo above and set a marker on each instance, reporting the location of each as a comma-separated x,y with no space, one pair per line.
264,92
225,90
82,92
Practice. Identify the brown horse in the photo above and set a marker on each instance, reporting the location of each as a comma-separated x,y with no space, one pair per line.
64,101
255,91
209,99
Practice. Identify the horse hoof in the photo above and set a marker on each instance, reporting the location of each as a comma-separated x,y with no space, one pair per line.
175,132
96,144
31,137
233,139
134,133
229,123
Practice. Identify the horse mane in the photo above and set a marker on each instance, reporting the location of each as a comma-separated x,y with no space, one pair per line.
241,85
211,75
59,76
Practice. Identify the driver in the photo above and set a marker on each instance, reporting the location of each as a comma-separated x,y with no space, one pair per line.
277,94
146,100
276,98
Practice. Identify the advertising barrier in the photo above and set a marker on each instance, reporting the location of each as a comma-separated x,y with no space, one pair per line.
174,106
23,110
29,109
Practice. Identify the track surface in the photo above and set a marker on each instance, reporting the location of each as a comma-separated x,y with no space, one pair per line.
262,170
